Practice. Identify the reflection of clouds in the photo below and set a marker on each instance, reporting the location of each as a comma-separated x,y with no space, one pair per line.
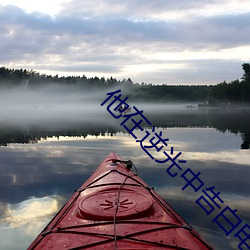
130,143
184,142
29,212
22,222
239,202
237,156
203,139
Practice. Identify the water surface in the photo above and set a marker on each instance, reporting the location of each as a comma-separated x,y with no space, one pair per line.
44,160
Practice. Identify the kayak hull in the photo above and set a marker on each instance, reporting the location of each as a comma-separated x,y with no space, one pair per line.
116,209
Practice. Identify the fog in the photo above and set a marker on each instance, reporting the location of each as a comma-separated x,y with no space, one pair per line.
54,103
57,103
28,115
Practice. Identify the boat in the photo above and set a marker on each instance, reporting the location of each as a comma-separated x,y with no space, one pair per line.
116,209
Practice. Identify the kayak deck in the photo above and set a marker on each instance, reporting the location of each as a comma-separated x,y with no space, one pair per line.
116,209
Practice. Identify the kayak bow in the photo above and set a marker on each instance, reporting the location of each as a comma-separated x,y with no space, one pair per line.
116,209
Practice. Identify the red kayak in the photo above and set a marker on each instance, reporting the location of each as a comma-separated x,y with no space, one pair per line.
116,209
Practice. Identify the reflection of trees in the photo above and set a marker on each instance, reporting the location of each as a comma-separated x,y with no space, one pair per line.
16,137
246,141
20,135
234,121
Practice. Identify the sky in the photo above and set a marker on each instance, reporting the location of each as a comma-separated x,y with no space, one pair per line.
152,41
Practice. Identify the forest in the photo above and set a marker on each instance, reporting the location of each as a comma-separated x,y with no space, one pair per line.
224,93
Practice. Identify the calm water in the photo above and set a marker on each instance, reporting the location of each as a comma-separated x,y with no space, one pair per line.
42,161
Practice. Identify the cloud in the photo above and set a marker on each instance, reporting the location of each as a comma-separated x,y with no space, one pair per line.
125,39
116,30
141,10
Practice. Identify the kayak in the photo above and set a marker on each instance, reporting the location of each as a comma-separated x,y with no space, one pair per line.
116,209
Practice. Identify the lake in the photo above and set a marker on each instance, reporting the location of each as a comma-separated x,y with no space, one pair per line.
47,153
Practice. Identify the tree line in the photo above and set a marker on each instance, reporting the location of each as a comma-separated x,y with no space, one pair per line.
236,91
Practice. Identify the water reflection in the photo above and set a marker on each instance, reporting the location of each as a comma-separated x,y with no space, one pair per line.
36,179
233,121
21,221
29,210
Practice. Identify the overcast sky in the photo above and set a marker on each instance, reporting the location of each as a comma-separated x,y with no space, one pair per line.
157,41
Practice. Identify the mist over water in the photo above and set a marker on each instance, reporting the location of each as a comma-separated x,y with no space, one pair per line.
61,104
60,107
51,103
